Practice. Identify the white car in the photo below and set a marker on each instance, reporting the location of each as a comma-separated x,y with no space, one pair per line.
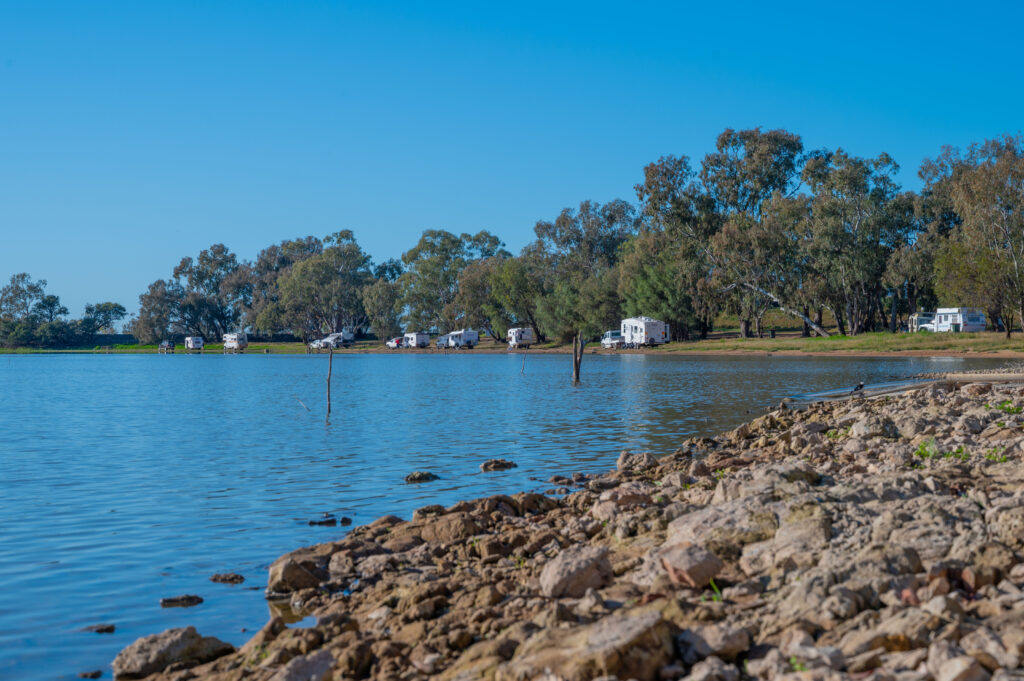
396,343
611,340
334,340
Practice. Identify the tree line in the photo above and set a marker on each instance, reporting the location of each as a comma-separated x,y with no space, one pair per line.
31,317
758,223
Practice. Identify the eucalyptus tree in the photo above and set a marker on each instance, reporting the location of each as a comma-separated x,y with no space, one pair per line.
49,308
516,287
19,296
579,250
857,219
430,282
381,300
264,311
987,188
323,293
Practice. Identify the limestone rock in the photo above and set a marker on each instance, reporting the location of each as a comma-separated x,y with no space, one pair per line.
690,564
629,461
287,575
575,570
154,653
313,667
628,645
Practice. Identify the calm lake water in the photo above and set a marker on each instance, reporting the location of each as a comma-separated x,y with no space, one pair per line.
125,479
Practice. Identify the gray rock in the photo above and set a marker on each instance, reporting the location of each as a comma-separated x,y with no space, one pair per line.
152,654
874,426
421,476
962,669
574,570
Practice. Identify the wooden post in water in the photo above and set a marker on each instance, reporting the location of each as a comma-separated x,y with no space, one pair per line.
330,367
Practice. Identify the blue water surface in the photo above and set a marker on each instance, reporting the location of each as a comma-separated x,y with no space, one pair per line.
128,478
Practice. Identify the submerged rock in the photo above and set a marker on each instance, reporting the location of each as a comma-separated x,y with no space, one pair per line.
421,476
183,601
227,578
497,465
101,628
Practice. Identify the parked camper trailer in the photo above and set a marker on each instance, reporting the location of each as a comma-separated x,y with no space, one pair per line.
958,319
921,321
417,340
638,331
442,341
194,343
463,338
235,342
521,337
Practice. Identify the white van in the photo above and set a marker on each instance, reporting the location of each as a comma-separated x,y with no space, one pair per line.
521,337
235,342
637,331
193,342
463,338
958,319
417,340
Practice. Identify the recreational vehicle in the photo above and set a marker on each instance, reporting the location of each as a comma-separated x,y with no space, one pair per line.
463,338
334,340
921,321
611,340
442,341
235,342
521,337
637,331
417,340
193,343
958,319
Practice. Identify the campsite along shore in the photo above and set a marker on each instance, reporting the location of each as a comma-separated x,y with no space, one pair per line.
881,344
849,537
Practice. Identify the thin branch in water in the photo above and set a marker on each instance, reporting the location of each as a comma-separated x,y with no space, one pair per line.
301,402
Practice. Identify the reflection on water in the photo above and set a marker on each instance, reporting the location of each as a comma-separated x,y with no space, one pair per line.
130,478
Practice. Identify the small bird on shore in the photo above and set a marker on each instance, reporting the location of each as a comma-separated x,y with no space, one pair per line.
860,386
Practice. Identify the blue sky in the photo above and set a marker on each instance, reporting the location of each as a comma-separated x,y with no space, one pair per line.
135,133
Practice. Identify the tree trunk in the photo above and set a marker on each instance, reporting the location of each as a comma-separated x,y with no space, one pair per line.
806,333
577,356
840,322
818,315
757,326
796,313
892,314
744,328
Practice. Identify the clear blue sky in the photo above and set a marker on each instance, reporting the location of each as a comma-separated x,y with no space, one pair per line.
135,133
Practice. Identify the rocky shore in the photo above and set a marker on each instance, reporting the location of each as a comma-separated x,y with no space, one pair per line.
860,539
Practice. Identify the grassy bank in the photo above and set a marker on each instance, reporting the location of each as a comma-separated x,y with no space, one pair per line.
881,343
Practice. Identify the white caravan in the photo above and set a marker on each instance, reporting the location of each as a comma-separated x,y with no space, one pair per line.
637,331
417,340
193,342
521,337
958,319
235,342
463,338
